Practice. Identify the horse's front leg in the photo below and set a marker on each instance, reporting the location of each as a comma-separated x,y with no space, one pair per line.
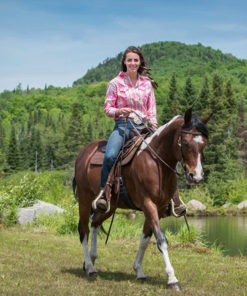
145,239
152,218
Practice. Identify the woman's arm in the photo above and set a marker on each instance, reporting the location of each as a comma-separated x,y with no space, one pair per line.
110,100
151,107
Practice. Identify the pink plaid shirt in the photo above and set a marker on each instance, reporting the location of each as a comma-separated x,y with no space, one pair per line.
122,94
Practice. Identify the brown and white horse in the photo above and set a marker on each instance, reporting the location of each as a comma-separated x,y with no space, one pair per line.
150,184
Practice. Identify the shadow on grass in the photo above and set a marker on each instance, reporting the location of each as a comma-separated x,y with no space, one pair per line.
115,276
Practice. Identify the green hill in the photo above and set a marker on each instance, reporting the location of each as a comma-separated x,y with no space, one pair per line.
167,57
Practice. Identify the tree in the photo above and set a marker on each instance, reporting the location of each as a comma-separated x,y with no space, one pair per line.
13,157
35,150
24,153
74,136
221,154
29,123
188,100
203,100
170,107
49,156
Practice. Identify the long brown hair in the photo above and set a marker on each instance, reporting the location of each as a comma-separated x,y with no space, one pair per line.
143,69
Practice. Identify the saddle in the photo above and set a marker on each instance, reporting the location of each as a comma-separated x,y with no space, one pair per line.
125,156
128,152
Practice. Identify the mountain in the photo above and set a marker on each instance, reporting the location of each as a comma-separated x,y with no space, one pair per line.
167,57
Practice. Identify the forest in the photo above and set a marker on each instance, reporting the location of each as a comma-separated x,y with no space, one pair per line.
44,129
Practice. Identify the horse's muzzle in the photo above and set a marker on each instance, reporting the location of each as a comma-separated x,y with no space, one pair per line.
191,179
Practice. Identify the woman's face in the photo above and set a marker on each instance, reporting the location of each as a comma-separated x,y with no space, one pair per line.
132,62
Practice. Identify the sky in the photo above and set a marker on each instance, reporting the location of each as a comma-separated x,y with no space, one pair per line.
55,42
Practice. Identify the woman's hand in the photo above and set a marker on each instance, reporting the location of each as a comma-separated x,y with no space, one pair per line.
123,111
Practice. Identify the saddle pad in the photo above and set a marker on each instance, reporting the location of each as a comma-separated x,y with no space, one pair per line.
98,156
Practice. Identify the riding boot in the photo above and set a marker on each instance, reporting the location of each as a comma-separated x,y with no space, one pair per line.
178,207
100,203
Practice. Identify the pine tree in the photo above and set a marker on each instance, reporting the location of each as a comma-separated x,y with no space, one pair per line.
171,106
74,135
188,99
49,158
242,116
89,133
30,123
202,103
24,155
13,157
35,150
221,153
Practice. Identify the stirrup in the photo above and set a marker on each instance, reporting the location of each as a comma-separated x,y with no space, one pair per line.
181,209
95,206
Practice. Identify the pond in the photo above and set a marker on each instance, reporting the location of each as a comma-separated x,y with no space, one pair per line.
230,233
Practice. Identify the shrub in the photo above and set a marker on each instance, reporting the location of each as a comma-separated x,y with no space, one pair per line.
192,236
22,195
7,209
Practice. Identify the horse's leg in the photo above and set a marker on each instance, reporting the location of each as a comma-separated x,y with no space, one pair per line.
84,234
152,218
97,220
145,239
94,236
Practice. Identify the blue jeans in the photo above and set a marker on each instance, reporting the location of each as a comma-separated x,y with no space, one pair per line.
113,147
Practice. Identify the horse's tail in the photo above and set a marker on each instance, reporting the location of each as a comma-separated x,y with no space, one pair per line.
74,188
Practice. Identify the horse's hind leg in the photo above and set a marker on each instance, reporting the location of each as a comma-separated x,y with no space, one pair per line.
84,234
94,236
145,239
97,220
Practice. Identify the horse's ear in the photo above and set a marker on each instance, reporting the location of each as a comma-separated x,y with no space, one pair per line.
205,119
187,116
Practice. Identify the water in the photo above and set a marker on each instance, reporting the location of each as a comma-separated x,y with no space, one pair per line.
230,233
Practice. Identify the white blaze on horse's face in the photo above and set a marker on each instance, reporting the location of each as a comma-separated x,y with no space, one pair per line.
192,147
198,139
198,170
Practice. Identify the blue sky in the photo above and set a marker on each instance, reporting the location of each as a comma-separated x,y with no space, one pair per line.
55,42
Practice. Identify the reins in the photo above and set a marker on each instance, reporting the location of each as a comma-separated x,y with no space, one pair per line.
153,151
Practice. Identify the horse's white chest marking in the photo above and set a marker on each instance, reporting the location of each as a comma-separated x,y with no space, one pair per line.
198,168
157,133
198,139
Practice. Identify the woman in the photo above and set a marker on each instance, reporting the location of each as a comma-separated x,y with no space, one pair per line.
131,90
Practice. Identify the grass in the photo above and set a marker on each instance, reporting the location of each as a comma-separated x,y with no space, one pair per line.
38,262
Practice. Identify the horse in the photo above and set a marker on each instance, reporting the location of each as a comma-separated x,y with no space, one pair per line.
150,183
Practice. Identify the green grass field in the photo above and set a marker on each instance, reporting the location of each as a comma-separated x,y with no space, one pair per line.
39,262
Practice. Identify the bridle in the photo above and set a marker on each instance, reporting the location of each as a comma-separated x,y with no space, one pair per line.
155,153
180,144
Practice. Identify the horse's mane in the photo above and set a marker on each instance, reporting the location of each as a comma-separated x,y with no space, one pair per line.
197,123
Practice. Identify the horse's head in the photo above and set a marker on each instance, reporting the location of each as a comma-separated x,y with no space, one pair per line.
192,140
